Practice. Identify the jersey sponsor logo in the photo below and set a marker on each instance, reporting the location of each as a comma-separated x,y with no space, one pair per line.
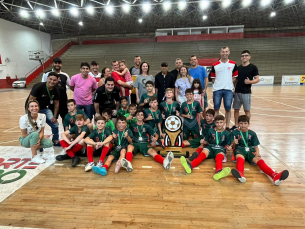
230,68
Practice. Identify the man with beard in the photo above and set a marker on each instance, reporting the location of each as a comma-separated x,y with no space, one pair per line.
135,71
178,65
63,81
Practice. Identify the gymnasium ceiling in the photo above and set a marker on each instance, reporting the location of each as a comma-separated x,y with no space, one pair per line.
101,23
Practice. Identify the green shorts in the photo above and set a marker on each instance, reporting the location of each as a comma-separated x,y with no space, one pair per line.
116,152
248,155
140,148
213,151
195,143
193,133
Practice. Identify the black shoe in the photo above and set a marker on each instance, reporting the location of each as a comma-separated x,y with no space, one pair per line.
75,161
233,128
194,156
62,157
228,129
160,143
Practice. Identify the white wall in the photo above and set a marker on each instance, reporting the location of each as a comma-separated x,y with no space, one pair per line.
15,42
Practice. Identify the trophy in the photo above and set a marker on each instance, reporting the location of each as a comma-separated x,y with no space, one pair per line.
173,139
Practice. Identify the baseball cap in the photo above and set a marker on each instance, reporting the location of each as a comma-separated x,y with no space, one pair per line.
94,63
164,64
57,59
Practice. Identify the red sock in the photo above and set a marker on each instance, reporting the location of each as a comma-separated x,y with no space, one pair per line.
104,153
64,144
106,167
90,153
77,148
70,153
240,162
159,158
129,156
265,168
218,161
198,160
199,150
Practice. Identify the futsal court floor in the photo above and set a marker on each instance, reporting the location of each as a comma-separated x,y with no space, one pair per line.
55,195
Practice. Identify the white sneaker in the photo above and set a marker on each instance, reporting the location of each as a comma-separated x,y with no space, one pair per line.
99,164
89,166
38,160
126,164
168,160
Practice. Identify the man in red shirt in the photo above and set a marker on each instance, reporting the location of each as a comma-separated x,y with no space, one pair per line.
120,80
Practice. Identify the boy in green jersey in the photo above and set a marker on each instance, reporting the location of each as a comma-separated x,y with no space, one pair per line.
245,144
81,131
189,111
109,123
144,100
219,139
69,119
130,117
141,132
94,143
124,109
122,137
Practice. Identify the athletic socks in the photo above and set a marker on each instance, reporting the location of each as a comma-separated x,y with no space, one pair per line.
218,160
90,153
198,160
240,164
129,156
199,150
159,158
77,148
106,167
265,168
104,153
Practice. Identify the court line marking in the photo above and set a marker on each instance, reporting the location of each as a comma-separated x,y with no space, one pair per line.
9,141
146,167
277,115
220,111
13,100
279,102
268,109
59,164
284,164
11,129
282,133
285,98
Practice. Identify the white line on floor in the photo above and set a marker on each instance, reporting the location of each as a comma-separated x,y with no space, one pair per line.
282,133
9,141
291,116
59,164
172,167
146,167
279,102
196,168
80,165
11,129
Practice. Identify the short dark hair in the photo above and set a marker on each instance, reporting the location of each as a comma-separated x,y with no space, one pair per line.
71,101
210,111
109,79
245,51
104,71
80,117
243,118
219,117
141,68
189,91
121,118
84,64
139,111
149,82
193,56
132,105
152,98
112,62
100,118
123,98
53,74
108,111
136,56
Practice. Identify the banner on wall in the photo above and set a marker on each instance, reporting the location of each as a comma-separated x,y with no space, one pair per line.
265,80
302,80
291,80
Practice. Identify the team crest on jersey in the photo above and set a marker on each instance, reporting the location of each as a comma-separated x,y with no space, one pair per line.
186,109
97,139
71,120
165,108
174,108
229,68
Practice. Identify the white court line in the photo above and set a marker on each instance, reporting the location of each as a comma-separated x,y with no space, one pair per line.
266,109
80,165
172,167
9,141
146,167
277,115
282,133
291,98
12,100
279,103
11,129
220,112
59,164
196,168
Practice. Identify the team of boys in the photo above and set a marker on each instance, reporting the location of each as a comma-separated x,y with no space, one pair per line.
139,131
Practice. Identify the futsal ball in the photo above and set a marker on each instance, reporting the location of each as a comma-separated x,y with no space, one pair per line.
173,123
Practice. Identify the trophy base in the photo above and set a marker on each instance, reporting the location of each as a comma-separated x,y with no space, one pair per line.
177,151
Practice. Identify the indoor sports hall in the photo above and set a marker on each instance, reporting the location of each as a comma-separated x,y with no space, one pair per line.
37,34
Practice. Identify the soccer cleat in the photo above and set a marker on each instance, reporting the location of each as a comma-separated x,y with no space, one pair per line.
168,160
222,173
187,166
38,160
238,175
75,161
117,166
102,171
126,164
194,156
99,164
89,166
62,157
280,177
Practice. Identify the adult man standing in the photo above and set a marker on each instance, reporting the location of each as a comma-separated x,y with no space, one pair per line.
135,71
107,96
83,85
224,73
199,72
120,80
247,75
46,93
163,80
94,71
178,65
63,81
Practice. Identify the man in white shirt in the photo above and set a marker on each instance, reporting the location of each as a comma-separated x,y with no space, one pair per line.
224,74
94,71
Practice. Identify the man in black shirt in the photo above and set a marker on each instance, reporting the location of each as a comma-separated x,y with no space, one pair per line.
247,75
63,81
47,94
178,65
107,96
163,80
